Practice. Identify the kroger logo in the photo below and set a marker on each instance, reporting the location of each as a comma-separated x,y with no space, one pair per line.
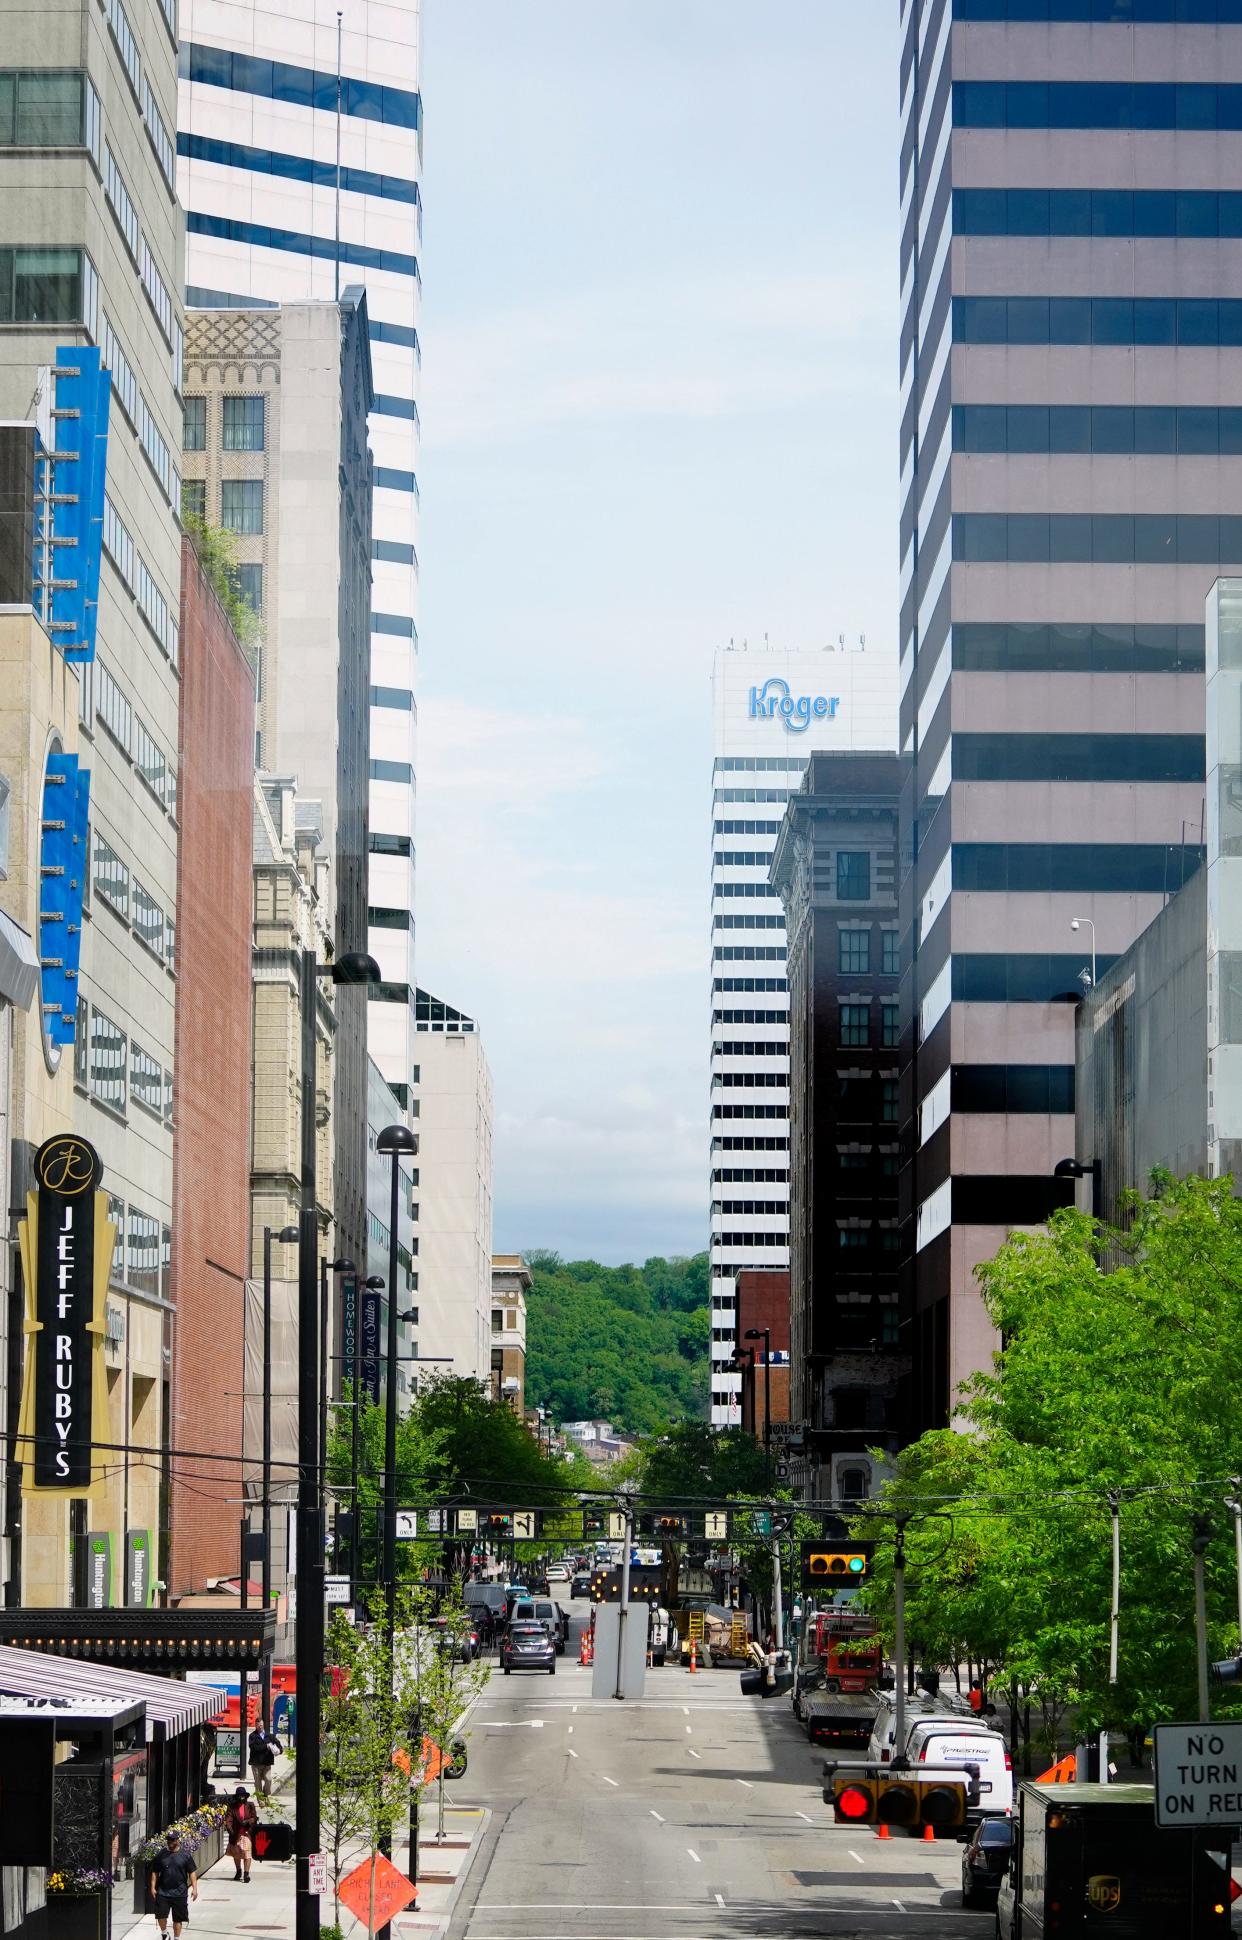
773,701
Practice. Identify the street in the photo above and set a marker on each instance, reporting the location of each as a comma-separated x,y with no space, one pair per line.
692,1812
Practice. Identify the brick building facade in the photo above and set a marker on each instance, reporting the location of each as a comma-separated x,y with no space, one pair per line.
211,1147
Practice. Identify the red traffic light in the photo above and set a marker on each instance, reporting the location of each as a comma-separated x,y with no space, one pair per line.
852,1802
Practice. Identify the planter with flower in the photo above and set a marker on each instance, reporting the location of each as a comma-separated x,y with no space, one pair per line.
77,1902
202,1832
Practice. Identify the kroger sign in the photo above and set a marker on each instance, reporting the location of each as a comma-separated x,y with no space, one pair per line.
774,702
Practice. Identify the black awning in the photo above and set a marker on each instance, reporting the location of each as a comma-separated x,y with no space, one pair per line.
146,1640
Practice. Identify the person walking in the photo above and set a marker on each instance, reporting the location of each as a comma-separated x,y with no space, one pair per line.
241,1819
263,1749
172,1871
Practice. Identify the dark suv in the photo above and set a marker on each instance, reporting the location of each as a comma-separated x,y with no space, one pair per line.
527,1647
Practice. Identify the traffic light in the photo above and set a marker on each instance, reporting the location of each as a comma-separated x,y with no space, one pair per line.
497,1523
1227,1671
864,1796
273,1841
651,1524
835,1565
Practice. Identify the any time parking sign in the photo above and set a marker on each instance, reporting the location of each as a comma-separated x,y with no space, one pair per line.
1198,1772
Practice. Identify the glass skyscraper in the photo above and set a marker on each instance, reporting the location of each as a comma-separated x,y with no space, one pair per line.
271,219
1071,485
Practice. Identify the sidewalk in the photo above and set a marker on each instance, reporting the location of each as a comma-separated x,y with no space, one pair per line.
226,1907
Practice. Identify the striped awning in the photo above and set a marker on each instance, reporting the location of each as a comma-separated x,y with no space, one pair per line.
171,1706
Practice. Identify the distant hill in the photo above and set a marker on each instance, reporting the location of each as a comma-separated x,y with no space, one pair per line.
630,1344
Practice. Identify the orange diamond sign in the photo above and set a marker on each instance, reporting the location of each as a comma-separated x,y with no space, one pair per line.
393,1893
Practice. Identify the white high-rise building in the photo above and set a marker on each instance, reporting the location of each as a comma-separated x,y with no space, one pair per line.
270,218
453,1089
770,710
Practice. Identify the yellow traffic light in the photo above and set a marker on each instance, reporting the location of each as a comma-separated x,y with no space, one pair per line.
864,1796
846,1565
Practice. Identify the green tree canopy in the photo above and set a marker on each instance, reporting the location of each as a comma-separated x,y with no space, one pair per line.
629,1344
1125,1381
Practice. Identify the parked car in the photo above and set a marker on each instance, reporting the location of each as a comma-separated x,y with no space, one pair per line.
527,1647
985,1861
462,1638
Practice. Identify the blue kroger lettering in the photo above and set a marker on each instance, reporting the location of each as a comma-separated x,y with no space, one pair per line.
774,702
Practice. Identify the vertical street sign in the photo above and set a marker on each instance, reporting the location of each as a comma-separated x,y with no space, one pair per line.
371,1346
138,1568
616,1525
61,1229
716,1526
524,1526
467,1522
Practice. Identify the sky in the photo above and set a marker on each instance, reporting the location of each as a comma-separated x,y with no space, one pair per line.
659,412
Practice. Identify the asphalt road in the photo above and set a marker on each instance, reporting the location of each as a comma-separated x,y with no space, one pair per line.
693,1812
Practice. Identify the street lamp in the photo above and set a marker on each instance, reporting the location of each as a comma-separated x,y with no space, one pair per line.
765,1335
1085,923
373,1283
354,967
742,1358
287,1236
1083,1169
395,1142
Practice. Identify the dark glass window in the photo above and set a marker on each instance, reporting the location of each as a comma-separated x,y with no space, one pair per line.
888,1100
394,551
41,108
301,243
1021,979
890,1031
855,1027
41,285
997,646
853,875
392,771
243,423
389,844
1097,212
241,505
854,952
1146,538
1012,1088
195,425
248,583
304,86
1100,320
300,168
398,697
890,943
1008,1199
853,1239
1208,13
1120,868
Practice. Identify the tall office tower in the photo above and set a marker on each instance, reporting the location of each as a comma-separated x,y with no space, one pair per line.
1071,365
262,109
770,711
90,254
453,1085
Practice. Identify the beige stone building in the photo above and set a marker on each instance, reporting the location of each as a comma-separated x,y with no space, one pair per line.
511,1281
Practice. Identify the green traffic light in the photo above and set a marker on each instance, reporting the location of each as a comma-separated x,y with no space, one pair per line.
856,1565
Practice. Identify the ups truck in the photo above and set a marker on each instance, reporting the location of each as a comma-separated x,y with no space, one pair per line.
1090,1859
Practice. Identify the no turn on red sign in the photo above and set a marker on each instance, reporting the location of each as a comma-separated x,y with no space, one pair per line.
1198,1774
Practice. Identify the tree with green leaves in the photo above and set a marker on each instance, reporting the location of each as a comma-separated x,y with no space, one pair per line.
1124,1381
628,1344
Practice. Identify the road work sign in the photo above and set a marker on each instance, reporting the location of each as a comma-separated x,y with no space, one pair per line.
1198,1772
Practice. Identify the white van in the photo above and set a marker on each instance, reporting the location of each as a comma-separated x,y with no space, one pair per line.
947,1744
918,1711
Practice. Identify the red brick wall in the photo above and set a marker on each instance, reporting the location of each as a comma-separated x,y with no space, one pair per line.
211,1146
763,1301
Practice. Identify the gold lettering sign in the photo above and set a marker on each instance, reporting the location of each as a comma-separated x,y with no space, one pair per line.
1104,1892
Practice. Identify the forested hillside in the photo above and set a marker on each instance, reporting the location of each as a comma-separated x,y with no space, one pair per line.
627,1343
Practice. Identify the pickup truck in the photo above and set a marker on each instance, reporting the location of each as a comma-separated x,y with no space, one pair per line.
833,1692
1090,1859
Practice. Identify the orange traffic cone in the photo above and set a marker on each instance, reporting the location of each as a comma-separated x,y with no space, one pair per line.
693,1656
881,1831
929,1835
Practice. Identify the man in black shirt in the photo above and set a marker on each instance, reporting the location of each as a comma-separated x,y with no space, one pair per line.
171,1871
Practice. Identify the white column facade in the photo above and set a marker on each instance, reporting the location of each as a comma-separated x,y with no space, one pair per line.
770,711
268,222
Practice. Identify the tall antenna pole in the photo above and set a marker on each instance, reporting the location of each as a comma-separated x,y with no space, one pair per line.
336,252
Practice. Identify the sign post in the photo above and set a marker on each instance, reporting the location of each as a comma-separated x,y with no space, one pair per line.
1198,1774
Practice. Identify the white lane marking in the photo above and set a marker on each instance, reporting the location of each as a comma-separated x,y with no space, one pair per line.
513,1724
657,1815
575,1707
569,1728
694,1855
720,1901
572,1752
746,1782
899,1906
693,1752
855,1855
610,1781
690,1727
686,1710
803,1815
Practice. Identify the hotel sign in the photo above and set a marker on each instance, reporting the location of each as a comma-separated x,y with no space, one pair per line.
66,1241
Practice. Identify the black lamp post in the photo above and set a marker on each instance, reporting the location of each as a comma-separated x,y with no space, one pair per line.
765,1335
374,1284
395,1142
1083,1169
744,1359
287,1236
351,968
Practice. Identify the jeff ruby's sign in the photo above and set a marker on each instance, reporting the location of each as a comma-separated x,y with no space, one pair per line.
67,1172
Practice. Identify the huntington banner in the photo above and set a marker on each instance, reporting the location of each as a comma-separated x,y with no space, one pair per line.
66,1244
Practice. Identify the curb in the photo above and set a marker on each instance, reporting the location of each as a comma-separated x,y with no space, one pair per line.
439,1924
